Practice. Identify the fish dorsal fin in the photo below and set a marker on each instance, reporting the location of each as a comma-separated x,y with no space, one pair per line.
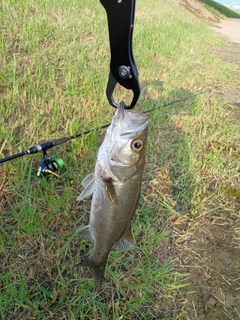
85,233
108,182
85,182
127,240
88,183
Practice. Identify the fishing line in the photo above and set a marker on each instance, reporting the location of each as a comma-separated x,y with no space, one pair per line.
173,102
50,164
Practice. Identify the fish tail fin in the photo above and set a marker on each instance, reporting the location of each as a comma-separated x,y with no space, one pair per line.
97,269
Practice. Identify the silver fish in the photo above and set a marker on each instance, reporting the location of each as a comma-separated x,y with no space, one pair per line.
115,185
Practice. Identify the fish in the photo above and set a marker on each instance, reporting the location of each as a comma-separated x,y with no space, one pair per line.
115,187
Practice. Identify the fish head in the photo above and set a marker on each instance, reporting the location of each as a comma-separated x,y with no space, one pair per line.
127,136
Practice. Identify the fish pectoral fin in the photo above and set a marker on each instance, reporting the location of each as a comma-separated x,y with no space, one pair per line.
85,182
108,182
85,233
97,269
127,240
89,188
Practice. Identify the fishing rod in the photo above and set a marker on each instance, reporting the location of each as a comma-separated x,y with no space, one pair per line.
50,144
49,164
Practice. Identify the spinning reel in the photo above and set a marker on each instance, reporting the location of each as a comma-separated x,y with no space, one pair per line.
49,165
52,166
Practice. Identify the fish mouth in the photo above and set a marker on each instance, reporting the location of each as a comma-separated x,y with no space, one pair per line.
128,121
119,114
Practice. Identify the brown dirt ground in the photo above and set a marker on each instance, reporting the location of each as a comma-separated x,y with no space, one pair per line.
229,29
211,253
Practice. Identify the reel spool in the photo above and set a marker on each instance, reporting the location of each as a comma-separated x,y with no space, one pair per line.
52,166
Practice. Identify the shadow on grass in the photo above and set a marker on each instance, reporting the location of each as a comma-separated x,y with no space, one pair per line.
169,168
169,185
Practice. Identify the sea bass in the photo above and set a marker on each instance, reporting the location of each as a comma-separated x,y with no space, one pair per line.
115,185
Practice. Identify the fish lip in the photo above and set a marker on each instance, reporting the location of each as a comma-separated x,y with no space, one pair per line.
126,123
124,118
120,112
117,118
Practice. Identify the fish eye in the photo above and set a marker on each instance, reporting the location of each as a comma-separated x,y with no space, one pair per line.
137,145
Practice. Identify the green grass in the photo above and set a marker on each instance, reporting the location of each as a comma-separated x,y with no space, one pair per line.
220,10
54,58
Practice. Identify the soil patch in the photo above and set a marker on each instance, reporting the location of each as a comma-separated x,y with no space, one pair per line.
229,29
211,256
198,10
